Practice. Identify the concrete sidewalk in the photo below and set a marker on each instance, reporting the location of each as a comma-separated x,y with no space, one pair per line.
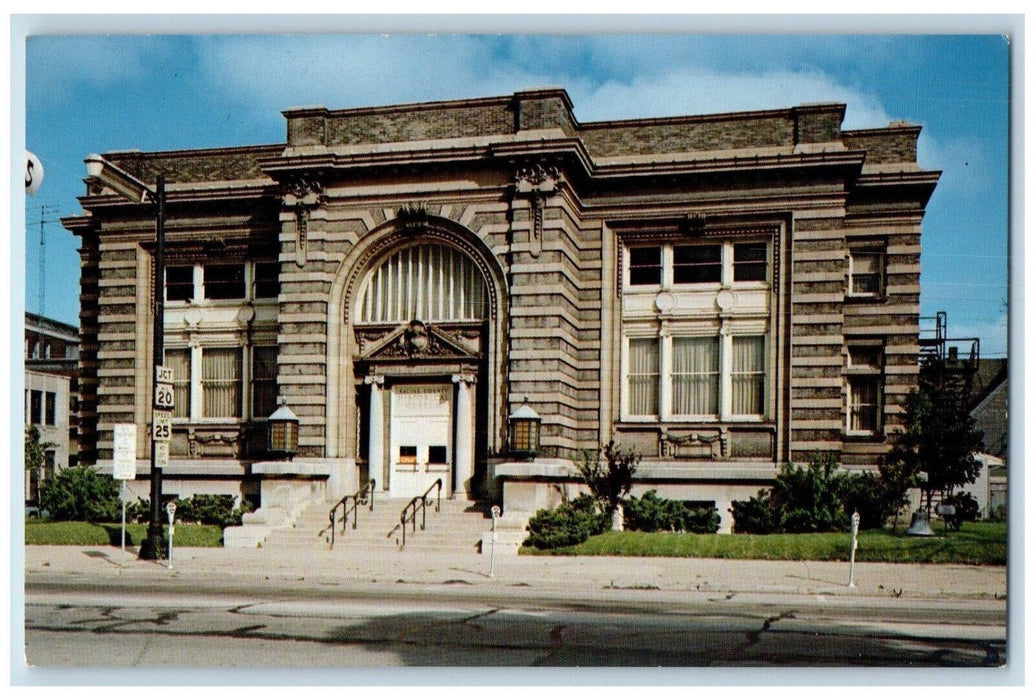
531,576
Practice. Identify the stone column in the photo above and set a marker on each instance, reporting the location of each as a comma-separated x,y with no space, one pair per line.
463,447
377,466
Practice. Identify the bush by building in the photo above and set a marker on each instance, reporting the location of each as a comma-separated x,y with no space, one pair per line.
81,493
570,523
653,514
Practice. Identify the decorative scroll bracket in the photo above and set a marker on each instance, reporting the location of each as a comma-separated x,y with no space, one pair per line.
303,195
537,182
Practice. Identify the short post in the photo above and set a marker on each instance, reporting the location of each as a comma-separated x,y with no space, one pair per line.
123,496
170,508
492,547
855,543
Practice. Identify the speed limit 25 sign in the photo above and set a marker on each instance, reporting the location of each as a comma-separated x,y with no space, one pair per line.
161,426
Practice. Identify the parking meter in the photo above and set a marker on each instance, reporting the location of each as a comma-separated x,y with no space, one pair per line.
170,508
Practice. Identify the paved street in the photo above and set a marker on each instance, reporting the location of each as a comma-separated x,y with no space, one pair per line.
174,626
222,608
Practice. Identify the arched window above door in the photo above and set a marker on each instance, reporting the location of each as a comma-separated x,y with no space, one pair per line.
427,282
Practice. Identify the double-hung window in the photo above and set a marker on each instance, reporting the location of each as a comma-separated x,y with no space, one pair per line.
643,375
221,382
864,389
178,360
713,377
264,381
866,272
695,376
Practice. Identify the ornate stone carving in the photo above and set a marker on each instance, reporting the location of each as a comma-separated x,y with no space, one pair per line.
537,181
303,194
416,341
714,445
413,218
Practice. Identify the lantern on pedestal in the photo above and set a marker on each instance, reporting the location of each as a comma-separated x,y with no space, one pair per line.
523,432
282,426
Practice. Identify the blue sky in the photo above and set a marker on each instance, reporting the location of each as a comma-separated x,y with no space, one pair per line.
95,93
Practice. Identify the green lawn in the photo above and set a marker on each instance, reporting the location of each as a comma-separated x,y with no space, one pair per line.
91,534
976,543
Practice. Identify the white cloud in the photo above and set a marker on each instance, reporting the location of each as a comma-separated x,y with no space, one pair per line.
692,91
272,73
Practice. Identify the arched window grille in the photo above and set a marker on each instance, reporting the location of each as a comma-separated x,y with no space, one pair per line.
424,282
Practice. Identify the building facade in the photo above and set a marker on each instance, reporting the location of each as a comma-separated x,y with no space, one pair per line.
721,294
51,394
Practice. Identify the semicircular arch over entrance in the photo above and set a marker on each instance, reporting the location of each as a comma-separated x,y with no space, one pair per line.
427,281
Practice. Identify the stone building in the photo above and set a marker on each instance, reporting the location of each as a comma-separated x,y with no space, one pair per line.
51,394
720,293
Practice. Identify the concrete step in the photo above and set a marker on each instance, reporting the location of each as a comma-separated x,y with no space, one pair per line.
457,526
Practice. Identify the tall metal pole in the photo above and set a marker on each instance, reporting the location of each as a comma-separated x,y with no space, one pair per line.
154,546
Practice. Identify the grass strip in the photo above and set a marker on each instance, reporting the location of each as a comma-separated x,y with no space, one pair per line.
100,534
976,543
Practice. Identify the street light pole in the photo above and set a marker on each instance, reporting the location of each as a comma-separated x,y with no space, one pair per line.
153,546
127,185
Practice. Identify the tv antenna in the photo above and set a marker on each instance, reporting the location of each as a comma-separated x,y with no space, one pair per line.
46,212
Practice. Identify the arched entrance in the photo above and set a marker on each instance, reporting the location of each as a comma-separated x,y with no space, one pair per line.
421,321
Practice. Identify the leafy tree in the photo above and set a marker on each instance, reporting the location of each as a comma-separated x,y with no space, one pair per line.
35,452
81,493
609,479
939,440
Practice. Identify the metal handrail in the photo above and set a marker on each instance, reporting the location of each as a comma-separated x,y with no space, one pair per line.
420,502
361,497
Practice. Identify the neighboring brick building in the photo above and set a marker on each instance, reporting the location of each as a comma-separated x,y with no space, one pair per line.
51,393
720,293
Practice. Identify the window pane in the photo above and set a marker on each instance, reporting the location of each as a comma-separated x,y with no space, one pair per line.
224,281
695,376
425,282
221,382
696,264
179,361
645,265
749,262
437,454
864,393
36,406
865,356
267,282
643,376
867,269
179,283
50,408
748,374
264,381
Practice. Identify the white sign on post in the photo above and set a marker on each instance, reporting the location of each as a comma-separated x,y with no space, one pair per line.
124,465
163,374
161,454
164,396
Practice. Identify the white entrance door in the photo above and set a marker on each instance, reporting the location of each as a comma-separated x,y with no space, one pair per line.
421,438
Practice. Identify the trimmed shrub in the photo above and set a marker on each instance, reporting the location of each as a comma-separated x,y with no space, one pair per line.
81,493
203,509
567,524
755,516
653,514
